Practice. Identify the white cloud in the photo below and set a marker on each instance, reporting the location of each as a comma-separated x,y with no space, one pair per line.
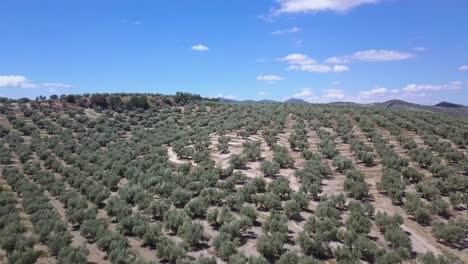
200,47
412,88
409,91
379,94
18,81
298,59
13,81
371,56
334,94
301,62
327,96
340,68
304,93
307,6
269,78
261,93
56,85
463,68
376,94
286,31
232,97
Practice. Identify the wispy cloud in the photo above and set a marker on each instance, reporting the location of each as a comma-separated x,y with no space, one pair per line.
371,56
286,31
420,49
132,22
335,94
301,62
57,85
304,93
328,95
376,93
463,68
409,91
200,47
269,78
379,94
313,6
19,81
232,97
434,87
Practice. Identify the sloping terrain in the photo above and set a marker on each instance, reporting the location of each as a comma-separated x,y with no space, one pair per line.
152,179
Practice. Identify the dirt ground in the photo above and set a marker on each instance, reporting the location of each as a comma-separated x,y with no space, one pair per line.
421,237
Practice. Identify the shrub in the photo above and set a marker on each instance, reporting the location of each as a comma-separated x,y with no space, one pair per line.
342,164
169,251
225,245
270,246
196,207
280,187
292,209
73,255
412,175
452,232
269,168
174,219
191,233
180,197
284,160
238,161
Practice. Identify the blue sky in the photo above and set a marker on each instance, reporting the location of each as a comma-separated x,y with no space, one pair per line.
320,51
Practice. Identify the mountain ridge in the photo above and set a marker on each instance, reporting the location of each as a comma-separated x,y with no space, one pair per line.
441,108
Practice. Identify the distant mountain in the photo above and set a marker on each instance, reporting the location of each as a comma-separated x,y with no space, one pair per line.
267,101
441,108
447,104
296,101
227,100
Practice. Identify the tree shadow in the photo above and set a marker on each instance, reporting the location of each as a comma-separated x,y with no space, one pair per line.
200,246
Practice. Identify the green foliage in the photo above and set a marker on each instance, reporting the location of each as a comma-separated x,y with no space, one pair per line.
269,168
270,246
191,233
355,184
170,251
73,255
238,161
225,245
452,232
342,164
138,102
292,209
174,219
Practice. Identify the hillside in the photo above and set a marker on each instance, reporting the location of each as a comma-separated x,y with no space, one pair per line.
441,108
140,178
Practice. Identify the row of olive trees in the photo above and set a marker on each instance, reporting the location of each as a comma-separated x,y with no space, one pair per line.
45,219
13,238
